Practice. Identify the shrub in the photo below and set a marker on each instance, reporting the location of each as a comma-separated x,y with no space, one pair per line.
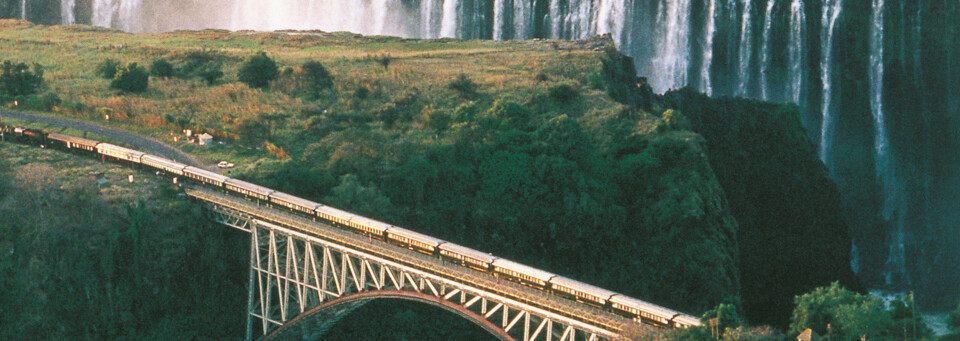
464,86
210,73
563,93
131,78
258,71
317,76
107,69
161,68
18,80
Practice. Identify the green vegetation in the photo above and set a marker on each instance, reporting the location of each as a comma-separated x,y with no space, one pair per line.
131,78
780,193
107,69
87,256
841,314
258,71
18,79
162,68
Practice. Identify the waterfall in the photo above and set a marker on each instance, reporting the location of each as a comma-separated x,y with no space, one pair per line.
103,12
671,58
66,12
522,18
709,30
448,27
795,50
555,19
611,18
499,19
23,9
426,19
831,12
765,54
746,49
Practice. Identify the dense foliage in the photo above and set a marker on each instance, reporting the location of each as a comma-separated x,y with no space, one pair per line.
131,78
86,259
162,68
107,69
258,71
792,236
841,314
18,79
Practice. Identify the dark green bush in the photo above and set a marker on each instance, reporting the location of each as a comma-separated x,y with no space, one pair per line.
131,78
464,86
258,71
563,93
107,69
162,68
18,80
210,73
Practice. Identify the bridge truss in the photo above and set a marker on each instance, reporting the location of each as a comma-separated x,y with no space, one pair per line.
301,284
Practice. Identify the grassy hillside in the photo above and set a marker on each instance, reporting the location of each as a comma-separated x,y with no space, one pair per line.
535,151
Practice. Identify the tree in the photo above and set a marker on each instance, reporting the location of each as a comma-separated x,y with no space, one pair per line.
107,69
258,71
317,77
161,68
18,80
210,73
817,308
131,78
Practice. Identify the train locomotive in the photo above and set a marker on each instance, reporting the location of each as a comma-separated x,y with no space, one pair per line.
560,286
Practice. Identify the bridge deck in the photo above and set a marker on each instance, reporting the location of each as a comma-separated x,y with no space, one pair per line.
485,281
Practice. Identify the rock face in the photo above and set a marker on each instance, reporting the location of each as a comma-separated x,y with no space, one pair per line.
792,236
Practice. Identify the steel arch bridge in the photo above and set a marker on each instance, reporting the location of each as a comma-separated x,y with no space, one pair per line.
305,276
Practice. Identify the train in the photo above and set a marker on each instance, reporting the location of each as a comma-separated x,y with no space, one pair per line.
557,285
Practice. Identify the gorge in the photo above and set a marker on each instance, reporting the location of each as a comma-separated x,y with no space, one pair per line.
877,83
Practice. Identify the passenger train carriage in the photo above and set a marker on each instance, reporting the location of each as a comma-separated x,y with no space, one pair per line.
294,203
467,256
248,189
162,164
119,153
205,176
524,274
71,142
626,306
582,292
413,240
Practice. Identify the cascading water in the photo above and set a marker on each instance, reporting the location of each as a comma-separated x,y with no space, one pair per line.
765,51
831,12
709,30
103,12
670,63
795,49
66,12
746,50
499,19
448,28
23,9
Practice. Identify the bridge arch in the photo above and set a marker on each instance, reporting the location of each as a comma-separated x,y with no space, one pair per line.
318,320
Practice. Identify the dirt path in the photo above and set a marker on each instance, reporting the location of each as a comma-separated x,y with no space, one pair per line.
143,143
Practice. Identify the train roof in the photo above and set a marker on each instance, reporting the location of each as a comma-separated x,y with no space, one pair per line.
466,251
73,139
205,173
524,269
116,148
420,237
686,320
375,224
644,306
582,287
146,158
252,187
295,200
336,212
